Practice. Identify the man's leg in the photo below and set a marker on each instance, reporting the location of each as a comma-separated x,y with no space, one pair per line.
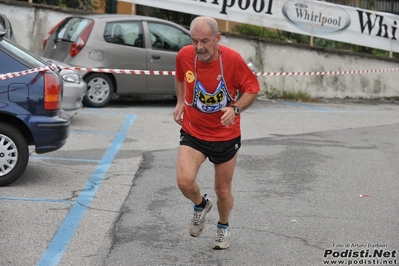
188,162
225,201
223,188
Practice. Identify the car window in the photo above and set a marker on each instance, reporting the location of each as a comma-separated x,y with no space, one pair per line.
5,24
11,50
71,29
166,37
2,22
11,66
126,33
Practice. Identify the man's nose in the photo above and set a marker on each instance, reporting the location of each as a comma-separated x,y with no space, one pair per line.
200,46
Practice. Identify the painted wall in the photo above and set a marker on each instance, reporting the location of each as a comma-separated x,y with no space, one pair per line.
272,57
32,22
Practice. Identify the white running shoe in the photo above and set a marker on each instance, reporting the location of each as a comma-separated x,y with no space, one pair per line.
197,223
222,236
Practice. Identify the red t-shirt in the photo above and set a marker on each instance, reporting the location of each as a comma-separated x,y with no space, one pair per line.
205,124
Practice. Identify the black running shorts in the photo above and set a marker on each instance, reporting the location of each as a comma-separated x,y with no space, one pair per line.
217,151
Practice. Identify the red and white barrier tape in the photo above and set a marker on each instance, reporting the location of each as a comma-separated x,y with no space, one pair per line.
123,71
168,73
324,73
26,72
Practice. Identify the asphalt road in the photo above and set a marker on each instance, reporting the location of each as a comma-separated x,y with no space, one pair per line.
315,183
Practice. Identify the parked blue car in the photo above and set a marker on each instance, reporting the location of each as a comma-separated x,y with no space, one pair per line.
30,113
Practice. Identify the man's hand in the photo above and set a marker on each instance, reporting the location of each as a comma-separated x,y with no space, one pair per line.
178,113
228,117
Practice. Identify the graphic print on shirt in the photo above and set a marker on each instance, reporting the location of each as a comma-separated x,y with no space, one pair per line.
211,103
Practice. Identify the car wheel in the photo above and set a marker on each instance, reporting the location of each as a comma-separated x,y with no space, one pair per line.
99,90
14,154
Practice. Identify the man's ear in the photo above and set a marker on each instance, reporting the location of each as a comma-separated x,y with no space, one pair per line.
218,37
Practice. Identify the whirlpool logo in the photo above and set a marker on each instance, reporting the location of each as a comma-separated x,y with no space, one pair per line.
316,18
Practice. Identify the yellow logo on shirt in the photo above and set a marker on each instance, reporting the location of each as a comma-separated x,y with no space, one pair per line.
190,76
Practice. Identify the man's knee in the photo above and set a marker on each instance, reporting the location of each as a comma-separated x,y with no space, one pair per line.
223,193
184,183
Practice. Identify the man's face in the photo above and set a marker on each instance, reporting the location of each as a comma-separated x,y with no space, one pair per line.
205,42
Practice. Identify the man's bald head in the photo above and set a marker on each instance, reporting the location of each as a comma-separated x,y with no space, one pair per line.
208,22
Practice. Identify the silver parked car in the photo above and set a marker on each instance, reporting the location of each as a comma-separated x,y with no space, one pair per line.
117,42
75,88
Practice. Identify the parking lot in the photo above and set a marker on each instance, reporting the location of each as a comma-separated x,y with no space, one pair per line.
311,178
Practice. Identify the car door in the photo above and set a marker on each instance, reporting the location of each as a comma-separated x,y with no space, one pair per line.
124,49
166,41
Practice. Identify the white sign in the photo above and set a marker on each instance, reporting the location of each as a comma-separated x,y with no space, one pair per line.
314,18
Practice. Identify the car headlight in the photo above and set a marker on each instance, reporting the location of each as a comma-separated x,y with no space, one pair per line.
71,77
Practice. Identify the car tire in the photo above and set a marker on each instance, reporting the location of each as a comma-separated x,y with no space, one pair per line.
14,154
99,90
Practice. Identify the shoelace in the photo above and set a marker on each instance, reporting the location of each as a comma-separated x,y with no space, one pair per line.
196,217
221,233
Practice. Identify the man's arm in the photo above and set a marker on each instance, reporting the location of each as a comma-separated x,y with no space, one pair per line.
180,91
251,84
180,96
245,101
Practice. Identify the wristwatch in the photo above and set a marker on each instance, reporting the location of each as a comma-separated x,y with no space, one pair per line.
236,109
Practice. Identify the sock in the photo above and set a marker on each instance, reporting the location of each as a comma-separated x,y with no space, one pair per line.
223,224
202,204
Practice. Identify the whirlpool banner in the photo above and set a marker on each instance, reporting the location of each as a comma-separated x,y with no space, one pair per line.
314,18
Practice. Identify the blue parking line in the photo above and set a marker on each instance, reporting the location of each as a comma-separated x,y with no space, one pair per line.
65,233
